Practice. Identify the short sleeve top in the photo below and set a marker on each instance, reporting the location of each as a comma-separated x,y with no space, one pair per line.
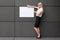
40,10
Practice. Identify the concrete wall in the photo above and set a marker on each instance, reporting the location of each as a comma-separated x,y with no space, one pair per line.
50,24
12,25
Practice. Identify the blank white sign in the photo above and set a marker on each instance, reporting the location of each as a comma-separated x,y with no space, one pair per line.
26,12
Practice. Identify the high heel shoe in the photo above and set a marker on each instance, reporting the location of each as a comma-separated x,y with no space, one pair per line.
38,37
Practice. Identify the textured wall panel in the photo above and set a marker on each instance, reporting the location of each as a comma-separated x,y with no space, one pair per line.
6,13
51,14
24,29
53,2
6,29
6,2
50,29
25,2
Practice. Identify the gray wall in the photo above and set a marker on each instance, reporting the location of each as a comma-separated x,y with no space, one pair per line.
50,24
12,25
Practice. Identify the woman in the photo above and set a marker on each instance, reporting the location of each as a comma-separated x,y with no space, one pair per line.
39,13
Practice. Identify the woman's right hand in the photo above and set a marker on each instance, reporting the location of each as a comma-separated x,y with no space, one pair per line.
28,6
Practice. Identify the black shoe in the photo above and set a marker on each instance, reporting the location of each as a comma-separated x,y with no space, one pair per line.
38,37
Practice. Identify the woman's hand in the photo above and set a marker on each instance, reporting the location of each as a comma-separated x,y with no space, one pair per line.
28,6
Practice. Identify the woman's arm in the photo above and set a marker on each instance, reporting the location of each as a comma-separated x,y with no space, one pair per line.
30,6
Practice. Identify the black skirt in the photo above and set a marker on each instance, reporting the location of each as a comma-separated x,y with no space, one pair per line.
37,21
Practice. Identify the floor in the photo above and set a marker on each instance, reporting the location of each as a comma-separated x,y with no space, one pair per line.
26,38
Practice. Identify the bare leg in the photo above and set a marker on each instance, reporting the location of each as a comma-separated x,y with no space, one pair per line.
37,31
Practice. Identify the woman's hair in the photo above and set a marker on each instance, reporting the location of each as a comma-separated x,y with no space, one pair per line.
40,4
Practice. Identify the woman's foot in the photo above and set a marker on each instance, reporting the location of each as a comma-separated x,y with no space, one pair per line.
38,37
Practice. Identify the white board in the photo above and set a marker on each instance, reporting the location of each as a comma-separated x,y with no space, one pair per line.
26,12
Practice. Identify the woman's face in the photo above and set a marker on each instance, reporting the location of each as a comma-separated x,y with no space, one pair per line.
39,4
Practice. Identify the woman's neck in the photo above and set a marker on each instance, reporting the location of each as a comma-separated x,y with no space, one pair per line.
40,7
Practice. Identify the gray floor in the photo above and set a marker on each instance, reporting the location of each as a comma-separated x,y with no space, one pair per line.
27,38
